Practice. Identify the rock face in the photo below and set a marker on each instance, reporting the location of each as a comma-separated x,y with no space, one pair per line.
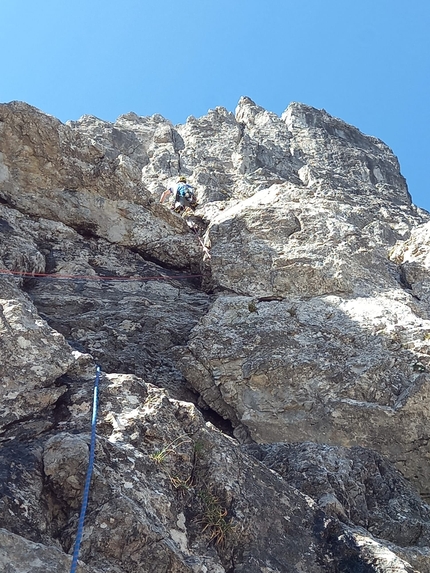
346,482
265,386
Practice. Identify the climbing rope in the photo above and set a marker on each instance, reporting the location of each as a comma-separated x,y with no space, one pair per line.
204,247
89,474
31,275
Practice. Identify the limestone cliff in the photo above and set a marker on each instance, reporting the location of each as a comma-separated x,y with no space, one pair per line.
265,364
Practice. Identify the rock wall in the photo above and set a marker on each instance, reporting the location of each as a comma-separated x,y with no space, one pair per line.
264,397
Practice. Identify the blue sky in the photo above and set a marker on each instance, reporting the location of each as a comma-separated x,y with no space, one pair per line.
366,62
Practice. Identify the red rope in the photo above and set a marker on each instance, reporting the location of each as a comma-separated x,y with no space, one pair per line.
94,277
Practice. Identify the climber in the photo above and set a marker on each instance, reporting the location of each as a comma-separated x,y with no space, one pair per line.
183,196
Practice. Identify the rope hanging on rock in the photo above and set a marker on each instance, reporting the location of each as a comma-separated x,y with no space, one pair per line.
31,275
89,474
204,247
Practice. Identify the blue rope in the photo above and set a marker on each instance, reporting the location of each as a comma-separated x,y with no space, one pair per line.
89,474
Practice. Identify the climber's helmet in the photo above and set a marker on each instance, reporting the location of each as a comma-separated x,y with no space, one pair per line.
182,179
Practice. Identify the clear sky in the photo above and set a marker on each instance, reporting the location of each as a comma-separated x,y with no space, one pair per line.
366,62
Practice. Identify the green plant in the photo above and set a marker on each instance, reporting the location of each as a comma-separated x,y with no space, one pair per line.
215,517
183,486
199,446
252,307
159,456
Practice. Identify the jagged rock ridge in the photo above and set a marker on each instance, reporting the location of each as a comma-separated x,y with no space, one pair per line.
309,325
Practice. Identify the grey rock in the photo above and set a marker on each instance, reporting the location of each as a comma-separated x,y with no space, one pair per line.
356,485
169,493
308,321
330,370
69,175
19,555
324,230
413,257
128,326
32,357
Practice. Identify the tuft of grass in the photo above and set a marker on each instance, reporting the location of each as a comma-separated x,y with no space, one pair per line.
183,486
159,456
215,518
199,446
